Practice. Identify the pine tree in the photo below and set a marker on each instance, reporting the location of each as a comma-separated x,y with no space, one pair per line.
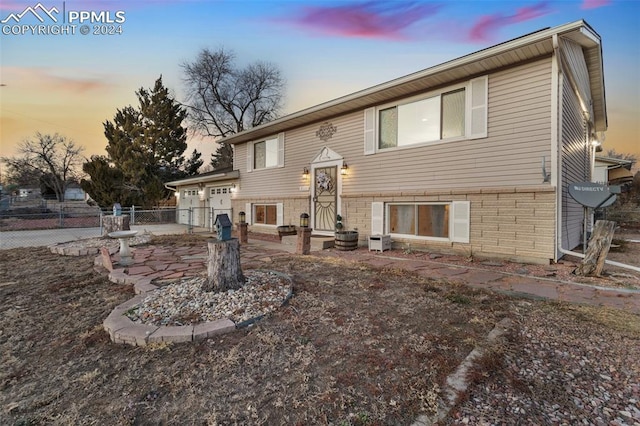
193,163
146,145
223,157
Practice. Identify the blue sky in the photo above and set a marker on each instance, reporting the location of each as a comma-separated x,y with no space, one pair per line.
72,83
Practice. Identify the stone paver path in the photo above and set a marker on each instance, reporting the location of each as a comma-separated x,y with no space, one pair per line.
161,262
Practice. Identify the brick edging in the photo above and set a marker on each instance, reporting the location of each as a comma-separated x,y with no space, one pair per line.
123,330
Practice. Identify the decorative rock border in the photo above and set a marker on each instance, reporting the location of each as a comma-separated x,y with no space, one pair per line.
89,246
124,331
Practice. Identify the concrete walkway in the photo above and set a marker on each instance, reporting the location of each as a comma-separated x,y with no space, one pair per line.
46,237
155,262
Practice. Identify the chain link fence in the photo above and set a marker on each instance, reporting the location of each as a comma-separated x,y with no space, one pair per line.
42,223
32,218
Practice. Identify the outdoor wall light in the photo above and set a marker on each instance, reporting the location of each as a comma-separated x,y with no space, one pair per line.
343,169
243,217
304,220
305,173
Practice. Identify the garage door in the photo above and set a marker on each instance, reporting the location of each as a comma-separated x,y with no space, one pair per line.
189,200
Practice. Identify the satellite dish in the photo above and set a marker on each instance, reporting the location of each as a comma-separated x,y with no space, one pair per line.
594,195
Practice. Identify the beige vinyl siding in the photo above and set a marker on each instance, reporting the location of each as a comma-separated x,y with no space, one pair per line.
518,137
574,64
575,165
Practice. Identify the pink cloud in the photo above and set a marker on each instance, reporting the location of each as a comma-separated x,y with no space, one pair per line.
487,26
51,79
14,6
386,20
594,4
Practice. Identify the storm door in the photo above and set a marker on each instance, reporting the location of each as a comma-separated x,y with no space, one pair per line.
325,198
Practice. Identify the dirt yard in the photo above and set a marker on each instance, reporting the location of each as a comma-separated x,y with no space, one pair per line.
354,346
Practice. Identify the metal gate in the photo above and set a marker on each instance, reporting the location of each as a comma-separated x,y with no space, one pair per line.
325,198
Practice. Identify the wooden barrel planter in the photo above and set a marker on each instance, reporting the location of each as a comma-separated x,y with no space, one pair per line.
346,240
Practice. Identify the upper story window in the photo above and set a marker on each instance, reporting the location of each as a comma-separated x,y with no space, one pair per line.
454,113
266,153
424,120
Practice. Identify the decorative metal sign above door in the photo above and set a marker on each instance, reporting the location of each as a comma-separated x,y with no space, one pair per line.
326,131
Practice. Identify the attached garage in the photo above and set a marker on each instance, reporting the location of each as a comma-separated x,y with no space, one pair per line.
200,198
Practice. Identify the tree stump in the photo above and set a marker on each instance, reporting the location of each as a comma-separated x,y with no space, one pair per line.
114,223
223,267
598,248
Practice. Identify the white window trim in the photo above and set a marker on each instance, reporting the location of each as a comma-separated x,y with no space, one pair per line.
459,220
280,154
372,117
250,214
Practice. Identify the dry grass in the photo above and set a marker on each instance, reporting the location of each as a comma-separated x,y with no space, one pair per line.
354,346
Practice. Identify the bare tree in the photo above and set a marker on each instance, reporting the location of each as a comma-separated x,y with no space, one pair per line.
54,159
224,100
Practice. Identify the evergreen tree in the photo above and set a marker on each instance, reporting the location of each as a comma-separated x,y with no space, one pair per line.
106,186
223,157
193,164
146,145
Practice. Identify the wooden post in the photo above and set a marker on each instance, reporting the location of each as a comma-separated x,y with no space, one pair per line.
599,245
223,268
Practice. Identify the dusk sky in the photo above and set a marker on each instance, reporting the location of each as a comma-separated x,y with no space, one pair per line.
71,83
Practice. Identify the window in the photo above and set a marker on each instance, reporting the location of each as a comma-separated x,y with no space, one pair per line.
455,113
424,120
265,154
423,220
266,214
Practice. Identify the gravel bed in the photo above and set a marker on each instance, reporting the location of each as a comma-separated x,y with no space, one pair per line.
185,303
552,374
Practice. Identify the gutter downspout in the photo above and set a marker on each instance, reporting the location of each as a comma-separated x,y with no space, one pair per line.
557,179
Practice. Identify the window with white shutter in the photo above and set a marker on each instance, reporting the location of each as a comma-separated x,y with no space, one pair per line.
369,131
461,214
377,218
478,100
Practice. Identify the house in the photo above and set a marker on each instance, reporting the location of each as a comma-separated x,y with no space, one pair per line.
473,156
73,192
612,171
200,198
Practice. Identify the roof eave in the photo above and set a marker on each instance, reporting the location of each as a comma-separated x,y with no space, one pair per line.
372,96
206,178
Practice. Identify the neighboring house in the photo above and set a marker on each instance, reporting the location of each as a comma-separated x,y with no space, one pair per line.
200,198
74,192
473,156
28,192
612,171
